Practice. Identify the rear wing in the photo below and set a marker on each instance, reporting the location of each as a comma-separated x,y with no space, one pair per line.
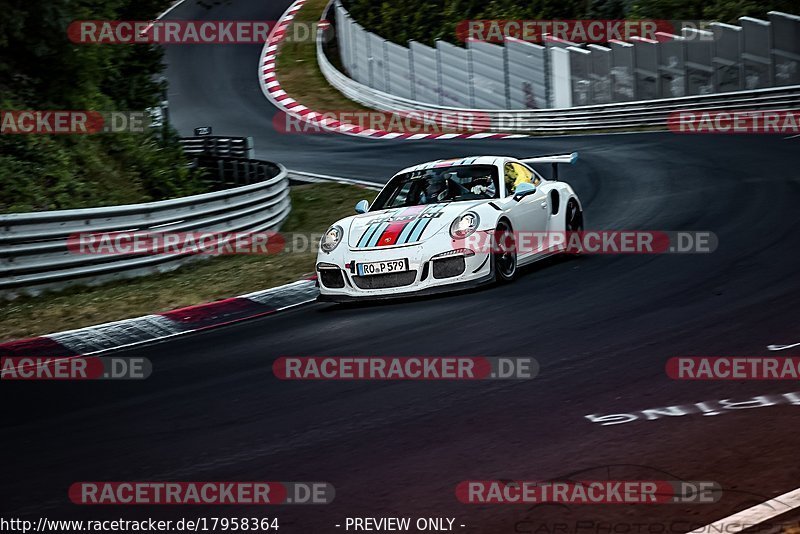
555,160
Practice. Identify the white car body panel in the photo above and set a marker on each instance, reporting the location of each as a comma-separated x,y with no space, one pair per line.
420,233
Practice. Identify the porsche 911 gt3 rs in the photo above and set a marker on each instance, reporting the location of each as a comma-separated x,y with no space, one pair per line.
411,239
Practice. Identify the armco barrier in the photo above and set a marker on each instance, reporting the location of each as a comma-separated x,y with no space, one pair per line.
612,116
224,172
298,177
33,246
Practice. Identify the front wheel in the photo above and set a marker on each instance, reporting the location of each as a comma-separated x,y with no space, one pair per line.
505,254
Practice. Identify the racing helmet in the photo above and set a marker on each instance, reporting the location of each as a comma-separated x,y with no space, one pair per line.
435,186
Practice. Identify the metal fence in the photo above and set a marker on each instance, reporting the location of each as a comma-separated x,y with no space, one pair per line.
34,251
523,75
606,117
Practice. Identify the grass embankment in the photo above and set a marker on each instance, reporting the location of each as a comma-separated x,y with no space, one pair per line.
314,208
42,70
298,70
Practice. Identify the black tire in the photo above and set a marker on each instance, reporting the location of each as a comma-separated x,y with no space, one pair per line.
573,219
504,258
573,222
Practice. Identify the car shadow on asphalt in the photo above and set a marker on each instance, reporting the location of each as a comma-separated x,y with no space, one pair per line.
538,266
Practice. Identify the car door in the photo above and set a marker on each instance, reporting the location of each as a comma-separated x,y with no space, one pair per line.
530,214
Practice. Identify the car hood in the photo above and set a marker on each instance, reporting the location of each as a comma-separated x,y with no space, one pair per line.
404,226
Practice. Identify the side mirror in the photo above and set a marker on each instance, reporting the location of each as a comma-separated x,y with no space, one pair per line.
522,190
362,206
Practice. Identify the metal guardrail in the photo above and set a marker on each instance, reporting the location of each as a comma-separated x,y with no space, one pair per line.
299,177
621,115
34,252
224,173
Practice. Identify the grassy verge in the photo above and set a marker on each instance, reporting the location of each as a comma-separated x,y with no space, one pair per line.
314,208
298,70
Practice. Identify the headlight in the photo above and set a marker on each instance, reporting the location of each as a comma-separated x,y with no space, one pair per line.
464,225
331,238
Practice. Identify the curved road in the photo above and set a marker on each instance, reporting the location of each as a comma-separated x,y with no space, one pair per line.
601,327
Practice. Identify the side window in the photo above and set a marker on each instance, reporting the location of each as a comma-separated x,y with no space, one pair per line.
536,179
510,177
401,196
516,174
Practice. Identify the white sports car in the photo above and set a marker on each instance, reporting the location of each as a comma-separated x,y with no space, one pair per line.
419,234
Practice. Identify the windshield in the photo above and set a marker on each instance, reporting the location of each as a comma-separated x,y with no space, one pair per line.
446,184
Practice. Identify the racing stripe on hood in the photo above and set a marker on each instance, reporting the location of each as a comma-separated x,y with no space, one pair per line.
403,237
390,235
411,228
371,229
415,233
373,240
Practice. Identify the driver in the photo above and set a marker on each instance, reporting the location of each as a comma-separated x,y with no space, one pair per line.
483,185
435,189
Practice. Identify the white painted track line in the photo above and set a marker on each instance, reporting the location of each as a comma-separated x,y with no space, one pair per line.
782,347
756,515
170,8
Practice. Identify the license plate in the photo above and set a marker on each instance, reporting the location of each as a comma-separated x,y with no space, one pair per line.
382,267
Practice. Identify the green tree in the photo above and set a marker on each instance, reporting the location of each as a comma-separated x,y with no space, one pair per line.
41,69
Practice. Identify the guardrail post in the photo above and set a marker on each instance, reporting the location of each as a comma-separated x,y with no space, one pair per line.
756,53
221,171
728,66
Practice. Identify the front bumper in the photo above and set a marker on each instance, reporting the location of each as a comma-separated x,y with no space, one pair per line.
431,269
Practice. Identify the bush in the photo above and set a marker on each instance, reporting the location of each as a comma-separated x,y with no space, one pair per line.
40,69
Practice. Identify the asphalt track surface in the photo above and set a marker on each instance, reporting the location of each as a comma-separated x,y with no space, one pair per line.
601,327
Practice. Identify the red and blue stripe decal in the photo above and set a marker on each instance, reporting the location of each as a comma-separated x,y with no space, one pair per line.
392,232
399,227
